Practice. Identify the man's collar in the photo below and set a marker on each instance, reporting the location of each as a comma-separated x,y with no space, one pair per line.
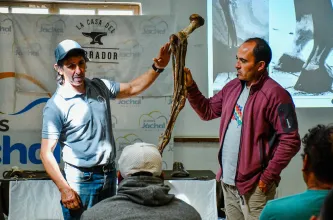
68,92
257,85
260,82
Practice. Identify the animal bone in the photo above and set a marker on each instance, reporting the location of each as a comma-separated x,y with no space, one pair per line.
178,43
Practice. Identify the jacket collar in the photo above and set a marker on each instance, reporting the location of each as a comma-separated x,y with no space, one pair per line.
145,190
257,86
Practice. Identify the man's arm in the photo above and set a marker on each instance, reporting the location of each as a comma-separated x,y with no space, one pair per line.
52,125
207,109
137,85
69,197
282,116
50,164
142,82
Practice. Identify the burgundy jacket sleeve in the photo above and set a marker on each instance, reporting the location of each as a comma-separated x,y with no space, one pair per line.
282,116
207,109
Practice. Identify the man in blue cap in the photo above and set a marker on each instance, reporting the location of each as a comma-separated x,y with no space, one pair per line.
78,116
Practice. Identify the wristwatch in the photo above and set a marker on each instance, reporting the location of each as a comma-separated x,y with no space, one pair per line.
157,69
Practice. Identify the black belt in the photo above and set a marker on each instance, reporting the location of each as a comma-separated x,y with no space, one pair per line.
96,169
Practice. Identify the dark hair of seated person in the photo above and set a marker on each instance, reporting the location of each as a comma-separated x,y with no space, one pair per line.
318,146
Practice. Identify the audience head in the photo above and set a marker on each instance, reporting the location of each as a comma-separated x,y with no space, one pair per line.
318,154
140,159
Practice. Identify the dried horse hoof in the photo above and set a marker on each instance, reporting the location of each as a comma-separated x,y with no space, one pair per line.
178,44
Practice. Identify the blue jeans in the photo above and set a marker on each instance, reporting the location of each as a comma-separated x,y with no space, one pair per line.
91,187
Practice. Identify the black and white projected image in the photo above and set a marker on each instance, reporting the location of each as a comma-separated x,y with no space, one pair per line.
300,33
301,37
233,22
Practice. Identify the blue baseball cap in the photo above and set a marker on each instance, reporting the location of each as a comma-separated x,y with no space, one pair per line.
64,47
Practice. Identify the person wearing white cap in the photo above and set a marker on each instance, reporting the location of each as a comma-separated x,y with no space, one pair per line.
78,116
141,192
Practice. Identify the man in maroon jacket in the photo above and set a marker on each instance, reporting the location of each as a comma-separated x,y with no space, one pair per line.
258,130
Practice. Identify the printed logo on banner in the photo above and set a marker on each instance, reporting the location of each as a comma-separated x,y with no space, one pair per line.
114,121
51,25
129,103
154,120
5,25
30,79
130,49
154,26
98,23
28,49
4,125
126,140
28,153
101,28
96,37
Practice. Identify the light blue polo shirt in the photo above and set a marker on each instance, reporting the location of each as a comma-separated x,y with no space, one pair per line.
79,122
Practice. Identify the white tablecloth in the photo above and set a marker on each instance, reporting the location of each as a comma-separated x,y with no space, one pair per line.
40,199
199,194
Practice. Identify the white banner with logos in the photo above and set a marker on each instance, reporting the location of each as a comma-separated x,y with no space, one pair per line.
119,47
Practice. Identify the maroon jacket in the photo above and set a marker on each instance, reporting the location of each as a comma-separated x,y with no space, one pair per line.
269,136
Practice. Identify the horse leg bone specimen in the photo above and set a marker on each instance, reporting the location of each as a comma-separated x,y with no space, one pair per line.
178,44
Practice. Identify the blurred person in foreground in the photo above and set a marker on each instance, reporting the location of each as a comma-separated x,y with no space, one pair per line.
326,212
141,194
318,175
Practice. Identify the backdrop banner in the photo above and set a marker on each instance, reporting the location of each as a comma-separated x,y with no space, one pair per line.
120,48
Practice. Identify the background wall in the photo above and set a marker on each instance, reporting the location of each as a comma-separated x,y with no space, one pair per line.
204,155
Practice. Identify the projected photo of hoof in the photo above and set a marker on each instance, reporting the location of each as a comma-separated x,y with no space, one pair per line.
288,63
314,81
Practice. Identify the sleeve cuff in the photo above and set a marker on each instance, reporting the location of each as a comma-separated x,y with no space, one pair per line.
192,87
117,90
50,136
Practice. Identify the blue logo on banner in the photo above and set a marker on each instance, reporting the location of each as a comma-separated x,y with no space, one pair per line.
26,153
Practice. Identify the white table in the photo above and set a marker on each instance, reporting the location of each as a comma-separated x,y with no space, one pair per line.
40,199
